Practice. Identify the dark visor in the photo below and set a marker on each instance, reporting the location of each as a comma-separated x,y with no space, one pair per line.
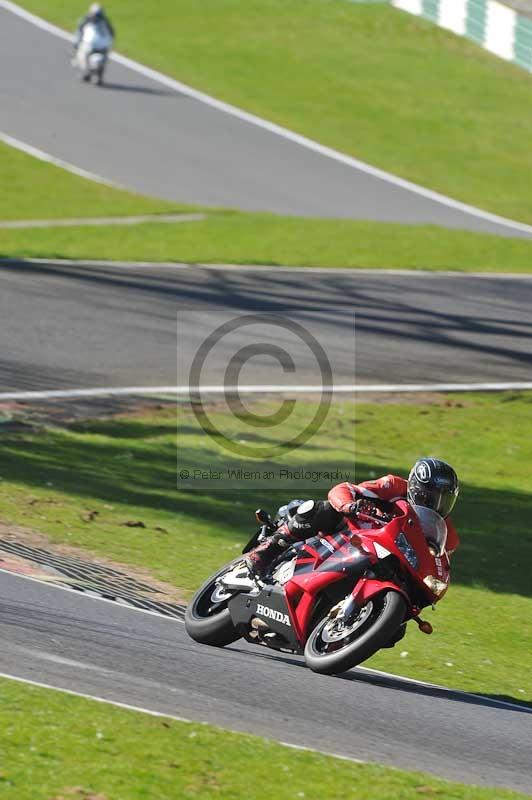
440,500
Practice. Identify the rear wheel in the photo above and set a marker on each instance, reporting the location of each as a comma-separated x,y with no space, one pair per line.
333,647
207,618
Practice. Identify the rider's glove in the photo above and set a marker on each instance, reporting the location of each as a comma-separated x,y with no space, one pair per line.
283,535
361,506
350,509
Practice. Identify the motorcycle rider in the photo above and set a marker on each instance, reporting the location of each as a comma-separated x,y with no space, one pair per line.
431,483
95,16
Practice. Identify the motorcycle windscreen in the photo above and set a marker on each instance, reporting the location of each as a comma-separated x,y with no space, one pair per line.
433,527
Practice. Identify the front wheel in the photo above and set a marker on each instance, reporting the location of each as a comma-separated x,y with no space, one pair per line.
207,618
333,647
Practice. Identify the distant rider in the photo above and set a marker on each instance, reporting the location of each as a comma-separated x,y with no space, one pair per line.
95,16
432,483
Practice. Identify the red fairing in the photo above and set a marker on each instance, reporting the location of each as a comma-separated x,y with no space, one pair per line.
302,591
355,553
367,588
389,487
453,539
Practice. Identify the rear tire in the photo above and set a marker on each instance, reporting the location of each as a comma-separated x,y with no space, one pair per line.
208,621
330,653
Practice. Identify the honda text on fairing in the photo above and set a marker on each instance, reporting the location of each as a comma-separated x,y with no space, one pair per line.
338,598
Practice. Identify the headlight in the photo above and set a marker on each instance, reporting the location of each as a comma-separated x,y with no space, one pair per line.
407,550
436,586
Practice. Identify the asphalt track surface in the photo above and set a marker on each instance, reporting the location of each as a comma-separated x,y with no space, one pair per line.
77,643
86,326
72,327
147,137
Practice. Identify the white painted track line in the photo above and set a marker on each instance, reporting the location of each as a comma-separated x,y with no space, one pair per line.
490,701
373,271
152,713
482,700
278,130
128,707
124,391
57,162
278,268
141,709
180,391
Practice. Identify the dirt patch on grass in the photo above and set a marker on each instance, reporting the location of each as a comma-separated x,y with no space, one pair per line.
23,417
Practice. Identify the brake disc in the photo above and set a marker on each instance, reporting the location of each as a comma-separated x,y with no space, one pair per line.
335,630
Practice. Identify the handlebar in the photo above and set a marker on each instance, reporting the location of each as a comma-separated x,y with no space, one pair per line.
367,510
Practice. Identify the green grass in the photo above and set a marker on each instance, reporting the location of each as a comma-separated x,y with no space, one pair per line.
59,746
34,189
266,239
126,470
353,76
386,87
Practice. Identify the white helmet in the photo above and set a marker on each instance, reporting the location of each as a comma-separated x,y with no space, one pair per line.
95,9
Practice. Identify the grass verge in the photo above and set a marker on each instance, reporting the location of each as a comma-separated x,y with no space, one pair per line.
51,743
359,77
38,190
233,238
325,65
125,470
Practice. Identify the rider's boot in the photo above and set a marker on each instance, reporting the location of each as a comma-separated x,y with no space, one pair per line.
261,557
311,515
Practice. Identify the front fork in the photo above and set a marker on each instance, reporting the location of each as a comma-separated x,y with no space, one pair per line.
367,588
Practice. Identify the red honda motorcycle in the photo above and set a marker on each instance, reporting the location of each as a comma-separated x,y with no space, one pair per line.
337,598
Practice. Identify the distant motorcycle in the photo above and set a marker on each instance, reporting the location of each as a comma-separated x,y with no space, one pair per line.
93,51
336,598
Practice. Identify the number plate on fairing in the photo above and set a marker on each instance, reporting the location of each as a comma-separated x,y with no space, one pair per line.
285,572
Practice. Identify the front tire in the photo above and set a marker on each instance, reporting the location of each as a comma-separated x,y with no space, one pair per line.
331,650
207,618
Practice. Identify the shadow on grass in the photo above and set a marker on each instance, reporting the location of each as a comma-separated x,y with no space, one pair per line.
134,461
